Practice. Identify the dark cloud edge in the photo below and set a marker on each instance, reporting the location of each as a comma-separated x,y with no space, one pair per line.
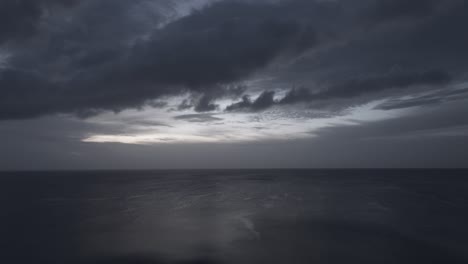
345,90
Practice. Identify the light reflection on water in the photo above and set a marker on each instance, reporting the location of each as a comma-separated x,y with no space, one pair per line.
279,216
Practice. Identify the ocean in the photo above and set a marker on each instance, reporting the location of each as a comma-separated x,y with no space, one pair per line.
234,216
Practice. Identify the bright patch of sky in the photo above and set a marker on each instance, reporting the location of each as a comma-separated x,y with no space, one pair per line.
163,126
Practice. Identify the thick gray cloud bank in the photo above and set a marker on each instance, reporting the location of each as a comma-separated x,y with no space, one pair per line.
86,56
20,18
219,44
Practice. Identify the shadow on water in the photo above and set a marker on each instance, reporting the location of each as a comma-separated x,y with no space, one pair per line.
339,241
136,259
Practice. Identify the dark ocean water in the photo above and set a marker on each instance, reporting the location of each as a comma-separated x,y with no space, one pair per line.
234,216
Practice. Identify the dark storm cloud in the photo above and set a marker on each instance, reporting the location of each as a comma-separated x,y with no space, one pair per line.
184,105
245,103
386,10
435,41
214,46
222,43
263,101
426,35
205,104
20,18
345,90
113,55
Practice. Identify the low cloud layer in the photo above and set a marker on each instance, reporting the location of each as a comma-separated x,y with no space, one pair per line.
87,56
348,89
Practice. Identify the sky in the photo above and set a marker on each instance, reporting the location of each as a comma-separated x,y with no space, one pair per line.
166,84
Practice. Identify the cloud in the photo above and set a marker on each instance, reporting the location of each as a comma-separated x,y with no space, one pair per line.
217,45
359,86
184,105
20,18
148,123
198,118
205,104
220,44
25,89
263,101
114,55
434,98
346,90
386,10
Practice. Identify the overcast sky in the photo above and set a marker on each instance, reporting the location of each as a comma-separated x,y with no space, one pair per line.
143,84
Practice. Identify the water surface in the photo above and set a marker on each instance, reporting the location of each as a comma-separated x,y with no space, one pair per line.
234,216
